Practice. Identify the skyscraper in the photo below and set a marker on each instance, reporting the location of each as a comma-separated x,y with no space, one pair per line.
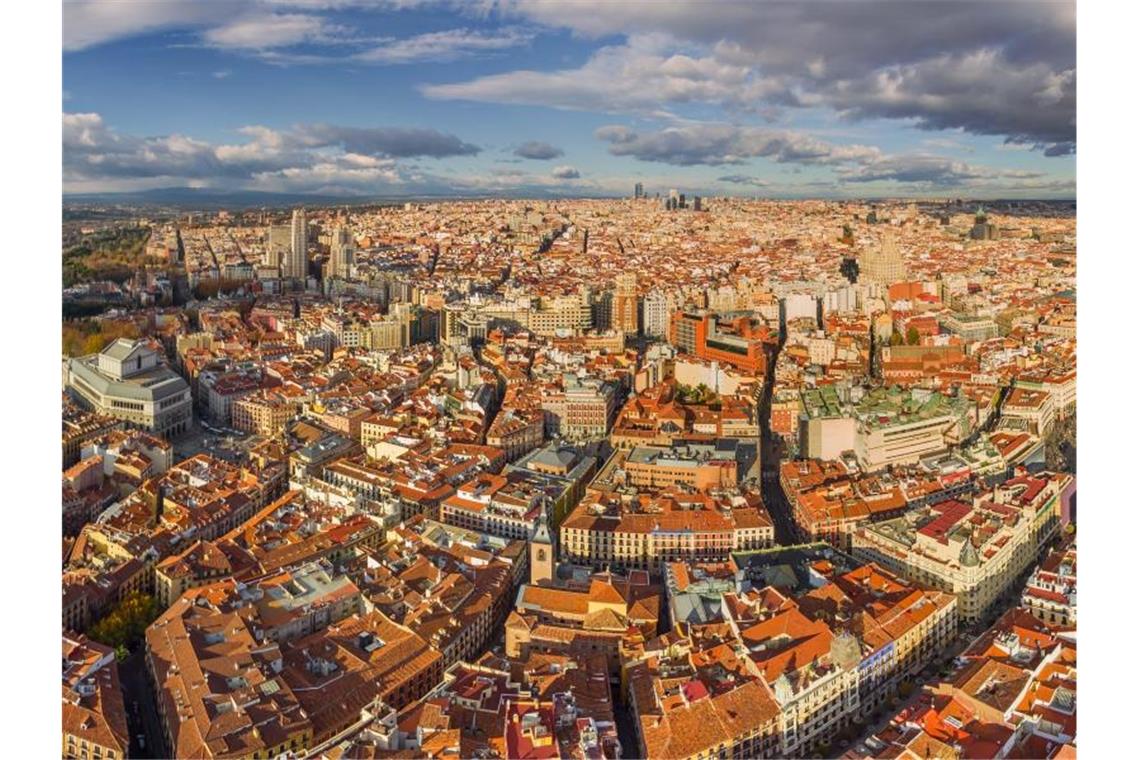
340,252
298,267
278,244
638,190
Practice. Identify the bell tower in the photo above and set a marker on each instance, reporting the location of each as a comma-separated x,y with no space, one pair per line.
541,554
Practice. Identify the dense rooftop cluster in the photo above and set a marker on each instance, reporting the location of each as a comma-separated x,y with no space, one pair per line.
576,479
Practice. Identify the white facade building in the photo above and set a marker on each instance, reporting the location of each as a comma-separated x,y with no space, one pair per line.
127,381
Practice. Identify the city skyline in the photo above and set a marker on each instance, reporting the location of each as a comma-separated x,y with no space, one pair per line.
579,380
402,99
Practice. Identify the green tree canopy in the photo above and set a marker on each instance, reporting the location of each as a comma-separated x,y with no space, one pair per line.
126,623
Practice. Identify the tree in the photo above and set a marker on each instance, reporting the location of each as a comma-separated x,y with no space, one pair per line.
1061,445
912,336
206,289
126,623
896,338
88,336
93,344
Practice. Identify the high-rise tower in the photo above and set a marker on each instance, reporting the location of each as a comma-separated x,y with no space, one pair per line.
340,252
278,245
298,268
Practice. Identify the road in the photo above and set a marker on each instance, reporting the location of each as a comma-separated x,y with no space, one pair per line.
967,635
929,674
142,718
769,453
626,728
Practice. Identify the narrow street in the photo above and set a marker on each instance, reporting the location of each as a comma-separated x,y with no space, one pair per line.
142,717
626,726
769,454
929,674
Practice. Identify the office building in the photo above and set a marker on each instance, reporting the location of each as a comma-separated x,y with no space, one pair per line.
298,263
341,253
278,245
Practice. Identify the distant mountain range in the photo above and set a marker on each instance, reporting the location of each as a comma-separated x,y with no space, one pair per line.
208,198
204,198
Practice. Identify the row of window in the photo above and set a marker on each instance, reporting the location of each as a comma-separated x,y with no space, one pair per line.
82,748
167,403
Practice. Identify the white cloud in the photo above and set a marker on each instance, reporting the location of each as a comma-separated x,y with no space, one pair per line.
444,46
270,30
87,23
616,79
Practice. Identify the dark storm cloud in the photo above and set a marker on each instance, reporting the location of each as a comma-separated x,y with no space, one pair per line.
1003,68
720,144
92,151
1061,149
931,170
395,142
539,151
742,179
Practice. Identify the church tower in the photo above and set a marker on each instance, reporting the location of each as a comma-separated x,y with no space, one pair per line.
541,554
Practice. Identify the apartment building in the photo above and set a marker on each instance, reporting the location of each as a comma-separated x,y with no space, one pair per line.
265,412
94,716
975,551
582,410
604,532
1050,594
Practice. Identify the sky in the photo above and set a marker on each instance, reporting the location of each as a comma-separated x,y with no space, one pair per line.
535,98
